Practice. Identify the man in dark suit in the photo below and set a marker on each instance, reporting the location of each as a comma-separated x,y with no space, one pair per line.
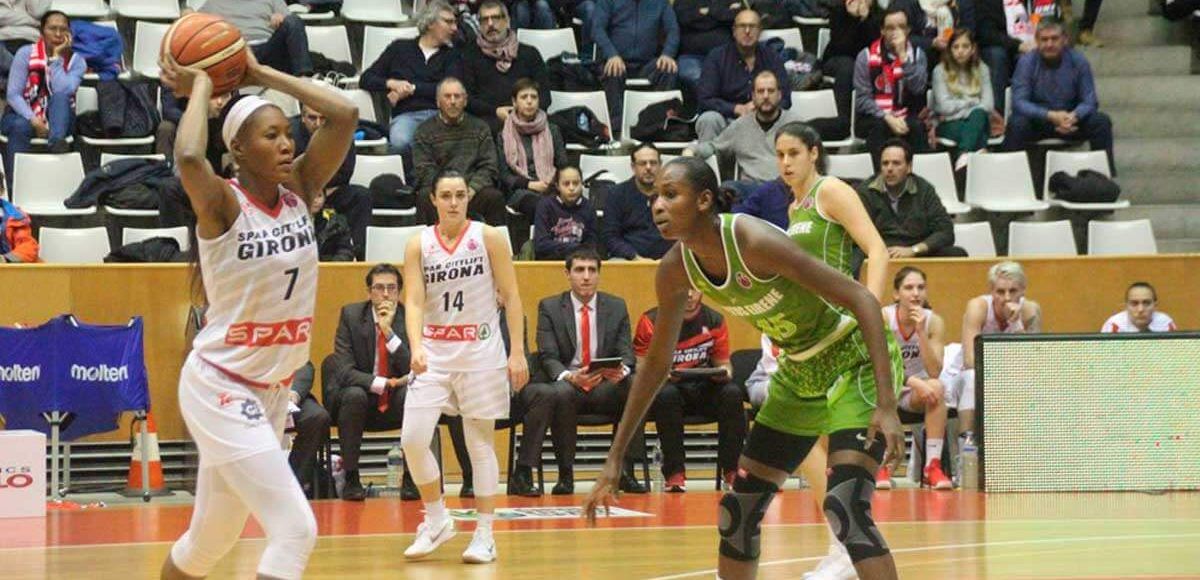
575,328
366,377
311,424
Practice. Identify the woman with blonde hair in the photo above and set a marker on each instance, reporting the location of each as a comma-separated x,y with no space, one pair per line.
962,95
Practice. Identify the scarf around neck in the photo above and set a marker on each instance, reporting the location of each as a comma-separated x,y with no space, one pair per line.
886,75
504,52
37,84
543,145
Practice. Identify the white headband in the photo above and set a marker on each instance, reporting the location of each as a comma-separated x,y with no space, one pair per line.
238,113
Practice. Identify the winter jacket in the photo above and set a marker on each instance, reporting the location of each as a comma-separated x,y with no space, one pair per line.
558,229
98,184
99,46
629,231
334,243
16,235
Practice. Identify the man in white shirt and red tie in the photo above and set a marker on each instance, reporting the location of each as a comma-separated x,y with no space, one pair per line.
366,377
1140,314
574,329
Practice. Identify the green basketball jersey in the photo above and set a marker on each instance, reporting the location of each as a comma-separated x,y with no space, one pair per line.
823,239
793,317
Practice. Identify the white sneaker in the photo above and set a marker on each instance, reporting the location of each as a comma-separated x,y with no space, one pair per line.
482,549
430,535
836,566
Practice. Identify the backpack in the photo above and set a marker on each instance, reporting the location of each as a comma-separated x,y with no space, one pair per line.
1086,187
580,125
388,191
663,121
566,72
803,68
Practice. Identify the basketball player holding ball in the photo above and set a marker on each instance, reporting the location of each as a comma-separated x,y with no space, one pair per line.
454,270
258,261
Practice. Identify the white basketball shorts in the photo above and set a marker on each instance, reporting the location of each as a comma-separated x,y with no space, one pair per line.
228,419
472,394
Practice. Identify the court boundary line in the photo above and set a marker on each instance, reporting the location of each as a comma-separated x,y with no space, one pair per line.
940,547
650,529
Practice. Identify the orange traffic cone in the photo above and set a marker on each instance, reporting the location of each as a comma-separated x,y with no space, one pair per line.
134,486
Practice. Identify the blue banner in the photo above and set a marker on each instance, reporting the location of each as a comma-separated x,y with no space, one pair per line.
92,372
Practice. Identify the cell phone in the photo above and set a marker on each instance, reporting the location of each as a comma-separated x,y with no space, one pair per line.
604,363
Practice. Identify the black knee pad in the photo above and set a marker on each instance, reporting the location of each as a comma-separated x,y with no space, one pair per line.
848,509
741,513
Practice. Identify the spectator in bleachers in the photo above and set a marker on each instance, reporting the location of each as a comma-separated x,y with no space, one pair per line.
629,231
853,26
1141,313
725,91
535,14
750,139
1087,24
19,21
1005,32
530,149
275,35
906,209
334,242
409,71
311,423
573,329
41,92
455,140
635,38
351,202
1003,310
1054,95
568,11
920,333
766,201
699,384
962,96
703,26
566,221
495,63
17,244
891,76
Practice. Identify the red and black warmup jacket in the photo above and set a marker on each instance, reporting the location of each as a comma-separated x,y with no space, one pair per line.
702,340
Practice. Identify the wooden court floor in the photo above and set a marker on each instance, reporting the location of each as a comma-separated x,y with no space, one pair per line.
933,535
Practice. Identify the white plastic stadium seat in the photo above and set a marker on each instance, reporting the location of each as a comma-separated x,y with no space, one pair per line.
619,167
810,21
147,40
41,182
1072,162
106,157
375,40
81,8
1002,183
819,105
373,11
331,41
180,233
73,245
1129,237
366,111
549,43
976,239
936,169
368,167
1041,239
147,9
791,37
635,102
851,166
595,101
286,102
387,244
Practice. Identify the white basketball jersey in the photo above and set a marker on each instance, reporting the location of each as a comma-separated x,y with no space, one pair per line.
1120,322
910,347
461,318
260,278
993,324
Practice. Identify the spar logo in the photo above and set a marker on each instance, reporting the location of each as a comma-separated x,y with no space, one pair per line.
16,373
100,374
294,331
16,476
457,332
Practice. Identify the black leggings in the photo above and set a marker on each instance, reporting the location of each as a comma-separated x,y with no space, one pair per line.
785,452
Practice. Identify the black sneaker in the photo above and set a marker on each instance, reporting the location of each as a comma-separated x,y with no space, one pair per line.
353,490
521,483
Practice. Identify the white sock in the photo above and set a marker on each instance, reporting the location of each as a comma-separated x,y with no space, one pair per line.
933,450
485,522
435,511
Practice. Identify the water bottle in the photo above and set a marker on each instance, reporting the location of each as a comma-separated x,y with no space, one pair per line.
969,463
395,466
656,468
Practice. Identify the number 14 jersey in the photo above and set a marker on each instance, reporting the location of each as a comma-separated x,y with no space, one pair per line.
462,319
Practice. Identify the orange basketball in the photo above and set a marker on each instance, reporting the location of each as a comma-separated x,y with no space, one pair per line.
208,42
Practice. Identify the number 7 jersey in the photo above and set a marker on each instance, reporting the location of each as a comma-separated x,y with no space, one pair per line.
461,318
260,278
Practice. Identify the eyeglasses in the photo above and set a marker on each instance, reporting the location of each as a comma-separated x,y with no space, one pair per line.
496,18
385,288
